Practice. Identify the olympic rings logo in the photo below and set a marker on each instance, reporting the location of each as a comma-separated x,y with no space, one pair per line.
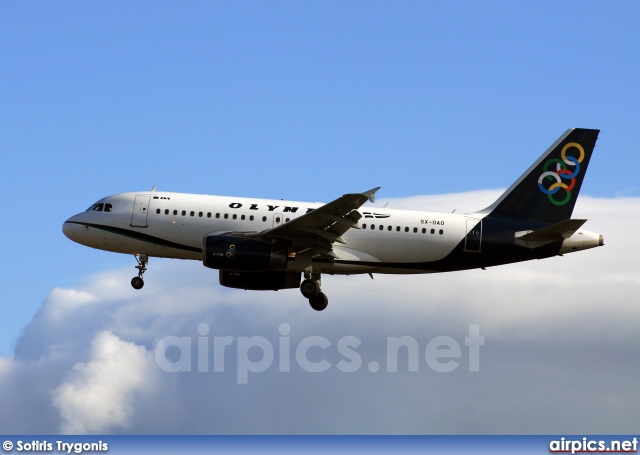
562,172
231,252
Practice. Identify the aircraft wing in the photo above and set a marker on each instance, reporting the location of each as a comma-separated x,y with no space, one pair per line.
319,229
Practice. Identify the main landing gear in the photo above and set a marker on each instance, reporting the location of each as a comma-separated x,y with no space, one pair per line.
137,282
310,288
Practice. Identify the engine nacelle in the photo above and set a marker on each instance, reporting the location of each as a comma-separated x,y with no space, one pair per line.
260,281
227,252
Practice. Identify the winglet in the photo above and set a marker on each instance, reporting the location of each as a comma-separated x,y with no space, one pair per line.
154,188
371,194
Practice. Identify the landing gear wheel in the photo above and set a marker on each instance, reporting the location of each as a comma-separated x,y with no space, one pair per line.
137,282
310,289
319,302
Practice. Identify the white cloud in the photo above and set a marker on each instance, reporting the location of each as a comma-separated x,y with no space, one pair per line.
471,201
69,300
98,396
6,364
560,353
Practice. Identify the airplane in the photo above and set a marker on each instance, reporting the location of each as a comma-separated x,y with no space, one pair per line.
260,244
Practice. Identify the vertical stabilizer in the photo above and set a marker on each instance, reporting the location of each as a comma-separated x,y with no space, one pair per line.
548,190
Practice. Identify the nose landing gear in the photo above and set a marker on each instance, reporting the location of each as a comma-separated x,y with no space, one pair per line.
310,288
137,282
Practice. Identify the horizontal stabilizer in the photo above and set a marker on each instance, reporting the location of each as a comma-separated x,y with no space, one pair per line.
557,231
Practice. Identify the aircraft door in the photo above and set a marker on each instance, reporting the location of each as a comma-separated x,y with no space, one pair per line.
140,211
473,241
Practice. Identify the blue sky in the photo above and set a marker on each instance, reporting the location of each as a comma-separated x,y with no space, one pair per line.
294,100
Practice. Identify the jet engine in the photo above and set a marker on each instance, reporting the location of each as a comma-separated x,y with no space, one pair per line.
241,254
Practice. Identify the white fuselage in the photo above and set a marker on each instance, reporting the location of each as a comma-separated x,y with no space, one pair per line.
173,225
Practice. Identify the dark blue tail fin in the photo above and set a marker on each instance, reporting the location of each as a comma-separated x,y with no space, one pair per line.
550,187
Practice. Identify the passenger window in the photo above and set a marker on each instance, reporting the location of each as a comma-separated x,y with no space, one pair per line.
251,218
264,218
158,211
390,228
226,216
217,215
415,230
166,212
184,213
424,230
433,231
373,226
235,217
200,214
398,228
406,229
364,226
441,232
242,217
107,207
208,214
192,213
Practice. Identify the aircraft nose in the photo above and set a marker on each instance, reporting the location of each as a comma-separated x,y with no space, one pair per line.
69,229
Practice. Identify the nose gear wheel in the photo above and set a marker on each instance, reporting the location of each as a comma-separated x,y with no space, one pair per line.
137,282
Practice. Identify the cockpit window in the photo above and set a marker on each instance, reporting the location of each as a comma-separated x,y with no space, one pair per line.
100,207
97,207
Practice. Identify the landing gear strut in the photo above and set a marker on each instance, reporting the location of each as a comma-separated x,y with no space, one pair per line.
310,288
137,282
